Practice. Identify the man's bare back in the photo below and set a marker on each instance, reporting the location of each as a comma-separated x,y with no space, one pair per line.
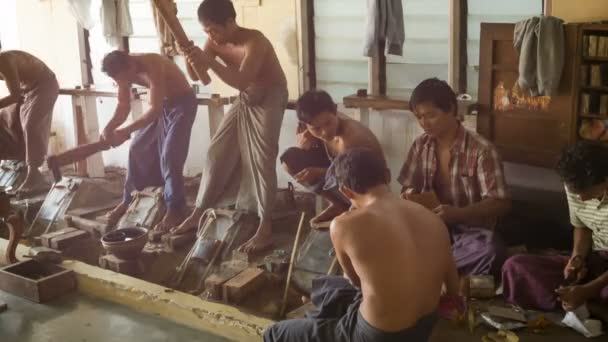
399,254
352,134
174,81
28,69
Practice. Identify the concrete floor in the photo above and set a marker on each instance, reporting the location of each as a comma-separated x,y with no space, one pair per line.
76,318
446,331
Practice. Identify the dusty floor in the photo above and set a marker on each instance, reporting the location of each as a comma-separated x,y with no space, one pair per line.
448,332
77,318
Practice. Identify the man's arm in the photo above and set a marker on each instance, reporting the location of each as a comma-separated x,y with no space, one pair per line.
157,95
190,70
339,239
10,74
582,242
407,176
255,53
495,199
122,109
478,213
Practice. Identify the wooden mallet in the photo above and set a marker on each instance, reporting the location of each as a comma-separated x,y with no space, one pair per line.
166,12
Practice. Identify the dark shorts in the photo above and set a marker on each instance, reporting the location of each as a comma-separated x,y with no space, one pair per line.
337,318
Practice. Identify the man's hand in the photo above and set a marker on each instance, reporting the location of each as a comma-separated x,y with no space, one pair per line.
310,175
576,270
304,140
448,213
573,296
119,137
196,56
106,134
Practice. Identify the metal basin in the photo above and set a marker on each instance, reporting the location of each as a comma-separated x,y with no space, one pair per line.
125,243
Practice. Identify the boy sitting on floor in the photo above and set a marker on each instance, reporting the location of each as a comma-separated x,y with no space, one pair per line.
323,134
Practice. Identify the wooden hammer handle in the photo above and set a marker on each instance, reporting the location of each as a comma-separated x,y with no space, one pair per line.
180,36
71,156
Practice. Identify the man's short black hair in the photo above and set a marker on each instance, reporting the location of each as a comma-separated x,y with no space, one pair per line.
115,62
436,92
216,11
313,102
583,165
359,169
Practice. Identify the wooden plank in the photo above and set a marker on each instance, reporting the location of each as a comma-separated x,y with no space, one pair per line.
68,239
242,285
47,239
376,102
81,136
175,242
213,286
457,63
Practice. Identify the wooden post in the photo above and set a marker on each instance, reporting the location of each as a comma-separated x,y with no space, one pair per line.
548,7
457,63
216,113
306,44
95,166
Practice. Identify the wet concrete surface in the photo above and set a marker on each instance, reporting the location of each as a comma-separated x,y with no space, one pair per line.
76,318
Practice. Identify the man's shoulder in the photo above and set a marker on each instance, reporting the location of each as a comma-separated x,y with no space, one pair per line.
350,219
479,143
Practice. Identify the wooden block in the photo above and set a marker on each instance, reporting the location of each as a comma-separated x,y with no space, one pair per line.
47,239
36,281
66,240
239,287
213,286
128,267
175,242
91,226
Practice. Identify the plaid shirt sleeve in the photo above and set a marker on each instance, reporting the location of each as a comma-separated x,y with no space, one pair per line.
410,175
490,173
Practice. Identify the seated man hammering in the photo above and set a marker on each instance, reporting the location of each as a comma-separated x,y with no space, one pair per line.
322,135
542,282
465,171
381,234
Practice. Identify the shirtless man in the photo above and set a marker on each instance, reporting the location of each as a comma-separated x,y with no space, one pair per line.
160,147
241,161
26,113
322,135
395,253
465,171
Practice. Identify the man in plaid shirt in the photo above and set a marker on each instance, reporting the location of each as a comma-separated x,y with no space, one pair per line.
465,171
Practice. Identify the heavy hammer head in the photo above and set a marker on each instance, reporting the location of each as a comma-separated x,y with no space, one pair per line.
55,168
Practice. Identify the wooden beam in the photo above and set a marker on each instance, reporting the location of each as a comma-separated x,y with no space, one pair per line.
457,43
548,7
462,46
84,52
306,45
